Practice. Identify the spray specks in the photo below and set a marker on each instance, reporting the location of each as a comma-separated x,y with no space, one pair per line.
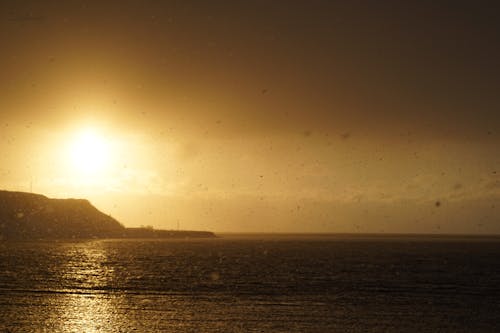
214,276
345,136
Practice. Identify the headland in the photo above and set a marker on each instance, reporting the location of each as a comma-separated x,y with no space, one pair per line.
30,216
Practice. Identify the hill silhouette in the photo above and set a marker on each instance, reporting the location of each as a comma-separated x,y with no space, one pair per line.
35,216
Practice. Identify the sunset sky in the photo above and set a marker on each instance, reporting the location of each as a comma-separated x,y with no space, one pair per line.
257,116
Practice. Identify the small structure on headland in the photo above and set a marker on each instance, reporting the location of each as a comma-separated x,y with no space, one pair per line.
29,216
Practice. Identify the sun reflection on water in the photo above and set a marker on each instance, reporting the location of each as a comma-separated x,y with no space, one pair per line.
87,267
88,304
87,313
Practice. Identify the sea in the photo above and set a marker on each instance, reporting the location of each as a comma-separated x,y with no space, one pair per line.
252,283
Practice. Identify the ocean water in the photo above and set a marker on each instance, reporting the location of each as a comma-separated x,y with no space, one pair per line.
252,284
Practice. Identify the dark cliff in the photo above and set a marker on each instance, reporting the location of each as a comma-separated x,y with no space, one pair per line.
34,216
29,216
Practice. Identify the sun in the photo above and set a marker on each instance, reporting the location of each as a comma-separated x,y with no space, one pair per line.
89,152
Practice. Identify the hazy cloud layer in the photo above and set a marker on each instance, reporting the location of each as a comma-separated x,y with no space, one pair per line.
319,116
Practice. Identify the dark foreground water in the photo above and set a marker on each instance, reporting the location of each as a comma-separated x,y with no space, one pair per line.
266,284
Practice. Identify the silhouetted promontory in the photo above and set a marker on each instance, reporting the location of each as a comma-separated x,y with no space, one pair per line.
27,216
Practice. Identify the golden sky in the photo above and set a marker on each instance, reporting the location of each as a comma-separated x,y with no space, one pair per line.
296,116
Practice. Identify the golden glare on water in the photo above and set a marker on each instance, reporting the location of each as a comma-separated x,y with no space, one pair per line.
88,311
